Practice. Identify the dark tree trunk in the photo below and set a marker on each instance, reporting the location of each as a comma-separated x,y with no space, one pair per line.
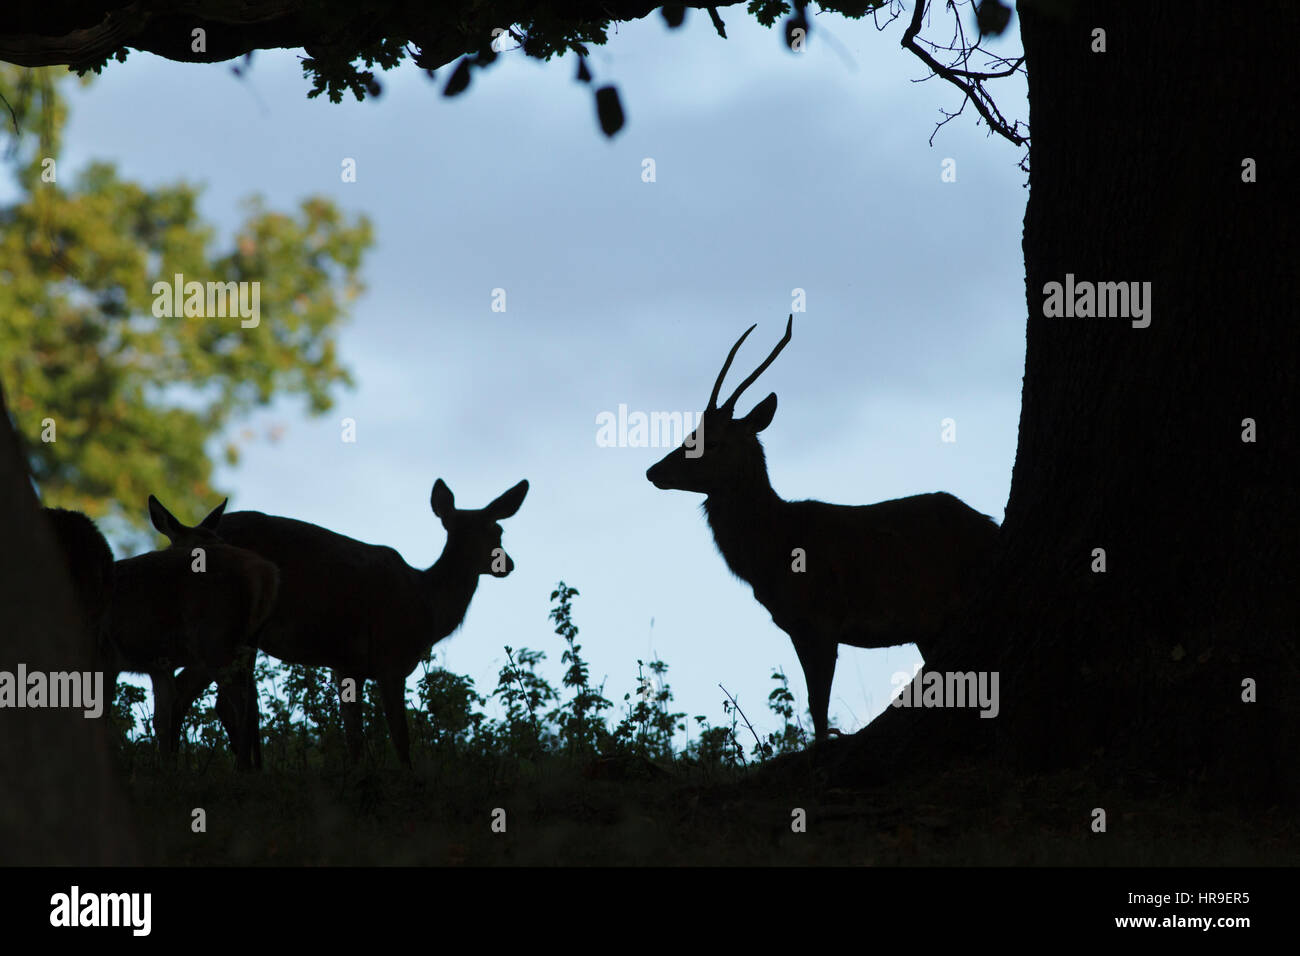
59,802
1131,438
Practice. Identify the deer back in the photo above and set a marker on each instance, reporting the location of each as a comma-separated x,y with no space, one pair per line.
335,593
891,572
181,607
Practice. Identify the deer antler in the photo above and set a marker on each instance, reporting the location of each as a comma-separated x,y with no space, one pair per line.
731,402
713,399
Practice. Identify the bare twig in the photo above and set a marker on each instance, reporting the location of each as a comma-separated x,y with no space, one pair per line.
970,82
742,714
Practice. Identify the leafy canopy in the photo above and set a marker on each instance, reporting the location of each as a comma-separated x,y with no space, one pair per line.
138,402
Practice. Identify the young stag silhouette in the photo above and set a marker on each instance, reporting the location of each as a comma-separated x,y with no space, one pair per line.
194,605
865,575
364,612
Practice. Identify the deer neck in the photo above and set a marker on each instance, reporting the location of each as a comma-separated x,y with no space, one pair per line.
744,518
449,587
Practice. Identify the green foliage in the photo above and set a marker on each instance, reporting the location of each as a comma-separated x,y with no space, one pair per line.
302,726
128,707
332,71
648,727
715,747
138,400
334,67
523,692
581,728
343,47
449,718
344,44
792,737
310,693
767,12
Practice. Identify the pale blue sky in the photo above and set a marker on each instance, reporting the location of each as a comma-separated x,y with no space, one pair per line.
774,172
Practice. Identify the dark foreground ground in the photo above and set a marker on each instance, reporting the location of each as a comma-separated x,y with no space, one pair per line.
632,814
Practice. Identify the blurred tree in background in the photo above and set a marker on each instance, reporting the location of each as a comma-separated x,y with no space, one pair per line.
139,403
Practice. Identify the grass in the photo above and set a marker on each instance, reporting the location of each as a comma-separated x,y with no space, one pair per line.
624,814
556,782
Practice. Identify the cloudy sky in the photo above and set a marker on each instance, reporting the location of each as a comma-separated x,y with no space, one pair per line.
774,172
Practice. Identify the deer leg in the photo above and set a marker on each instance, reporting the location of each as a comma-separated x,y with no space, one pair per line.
817,658
166,732
237,708
254,713
351,711
188,686
252,716
393,692
233,709
228,710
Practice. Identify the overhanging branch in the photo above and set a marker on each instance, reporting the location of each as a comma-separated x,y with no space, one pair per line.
970,82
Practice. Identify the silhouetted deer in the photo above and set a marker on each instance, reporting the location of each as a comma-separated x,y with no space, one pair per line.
194,605
866,575
364,612
89,562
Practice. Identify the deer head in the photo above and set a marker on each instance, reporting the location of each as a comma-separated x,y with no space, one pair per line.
202,533
473,535
723,450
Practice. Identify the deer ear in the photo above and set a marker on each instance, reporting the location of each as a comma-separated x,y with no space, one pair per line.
442,500
210,522
508,503
762,414
162,519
